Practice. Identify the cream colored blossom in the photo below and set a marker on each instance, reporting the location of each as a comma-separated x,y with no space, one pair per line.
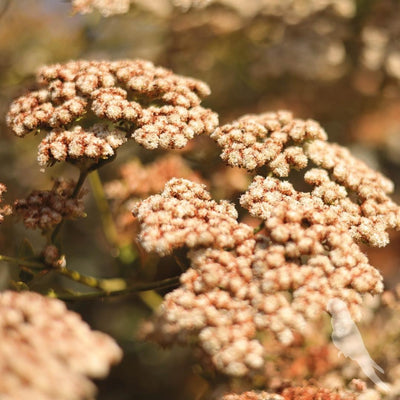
256,140
96,143
86,110
237,285
48,352
184,215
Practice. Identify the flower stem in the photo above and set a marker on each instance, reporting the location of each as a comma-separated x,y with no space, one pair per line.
106,285
138,287
98,192
258,228
126,252
22,261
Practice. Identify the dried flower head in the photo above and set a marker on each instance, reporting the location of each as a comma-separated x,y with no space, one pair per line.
90,108
96,143
138,180
43,209
239,285
359,193
48,352
347,186
272,139
184,215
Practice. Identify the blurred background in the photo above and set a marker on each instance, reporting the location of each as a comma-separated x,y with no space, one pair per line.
336,61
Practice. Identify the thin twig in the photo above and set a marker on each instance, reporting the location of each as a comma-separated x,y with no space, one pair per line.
22,261
139,287
90,281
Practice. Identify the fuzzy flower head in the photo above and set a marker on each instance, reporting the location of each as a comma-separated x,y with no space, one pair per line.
345,185
272,139
138,180
48,352
43,209
240,283
90,108
185,215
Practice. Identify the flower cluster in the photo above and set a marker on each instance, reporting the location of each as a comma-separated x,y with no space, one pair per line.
350,189
272,139
238,282
95,143
91,108
48,352
43,209
359,193
184,215
137,180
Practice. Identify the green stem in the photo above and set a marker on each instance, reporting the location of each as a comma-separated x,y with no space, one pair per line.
102,204
106,285
21,261
139,287
259,228
126,252
90,281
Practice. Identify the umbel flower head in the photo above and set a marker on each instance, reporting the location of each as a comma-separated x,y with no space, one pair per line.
350,189
90,108
240,283
48,352
43,209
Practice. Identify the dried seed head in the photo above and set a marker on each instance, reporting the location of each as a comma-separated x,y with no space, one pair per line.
43,209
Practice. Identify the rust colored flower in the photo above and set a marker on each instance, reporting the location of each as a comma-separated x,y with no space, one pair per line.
90,108
48,352
43,209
